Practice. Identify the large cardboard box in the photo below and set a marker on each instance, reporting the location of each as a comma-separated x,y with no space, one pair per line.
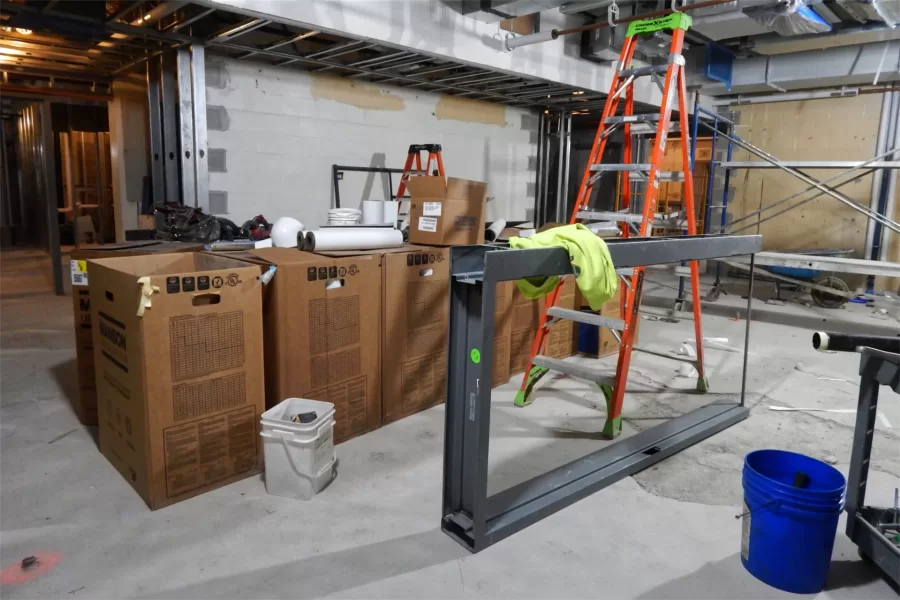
178,351
85,405
415,321
562,340
607,343
322,321
446,215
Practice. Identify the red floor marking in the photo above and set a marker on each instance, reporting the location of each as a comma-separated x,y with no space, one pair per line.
16,574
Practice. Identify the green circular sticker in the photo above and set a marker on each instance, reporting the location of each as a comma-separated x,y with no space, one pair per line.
475,354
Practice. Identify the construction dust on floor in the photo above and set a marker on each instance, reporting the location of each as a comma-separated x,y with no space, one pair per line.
668,532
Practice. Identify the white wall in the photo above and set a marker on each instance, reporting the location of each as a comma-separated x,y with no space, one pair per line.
286,128
432,27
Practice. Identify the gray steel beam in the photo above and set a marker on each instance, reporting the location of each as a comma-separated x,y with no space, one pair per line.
157,151
48,171
186,129
169,104
201,166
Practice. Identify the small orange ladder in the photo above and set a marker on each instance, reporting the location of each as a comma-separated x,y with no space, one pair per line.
613,387
414,158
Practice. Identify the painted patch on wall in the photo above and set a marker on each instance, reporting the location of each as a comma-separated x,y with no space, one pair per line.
354,93
470,111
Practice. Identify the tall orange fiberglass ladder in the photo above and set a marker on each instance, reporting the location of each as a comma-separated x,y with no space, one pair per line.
613,387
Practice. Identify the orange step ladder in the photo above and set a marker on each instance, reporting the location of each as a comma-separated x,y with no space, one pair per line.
414,159
613,387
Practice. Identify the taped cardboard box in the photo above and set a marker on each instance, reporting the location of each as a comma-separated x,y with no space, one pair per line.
85,405
450,214
178,353
322,322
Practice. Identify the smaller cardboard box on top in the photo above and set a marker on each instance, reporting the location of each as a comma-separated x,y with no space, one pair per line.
178,351
446,214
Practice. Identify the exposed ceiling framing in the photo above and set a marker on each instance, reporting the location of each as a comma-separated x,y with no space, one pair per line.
70,48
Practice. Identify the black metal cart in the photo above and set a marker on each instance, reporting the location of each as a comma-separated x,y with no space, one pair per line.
869,526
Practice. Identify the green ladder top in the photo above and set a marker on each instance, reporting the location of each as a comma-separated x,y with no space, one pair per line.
676,20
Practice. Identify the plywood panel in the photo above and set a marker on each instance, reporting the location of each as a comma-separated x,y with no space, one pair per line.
833,129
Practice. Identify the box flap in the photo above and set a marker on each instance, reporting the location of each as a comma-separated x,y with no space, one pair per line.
426,186
465,189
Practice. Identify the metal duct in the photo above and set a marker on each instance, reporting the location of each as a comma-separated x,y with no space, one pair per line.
846,37
789,17
492,11
873,10
832,67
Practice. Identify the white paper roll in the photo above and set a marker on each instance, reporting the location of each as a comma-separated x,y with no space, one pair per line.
493,232
372,212
352,238
391,211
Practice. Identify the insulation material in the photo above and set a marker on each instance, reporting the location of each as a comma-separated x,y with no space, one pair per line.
352,238
789,17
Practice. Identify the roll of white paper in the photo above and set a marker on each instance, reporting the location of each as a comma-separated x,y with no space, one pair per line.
493,232
352,238
372,212
391,211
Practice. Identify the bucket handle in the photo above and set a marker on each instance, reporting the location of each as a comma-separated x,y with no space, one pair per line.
766,505
286,451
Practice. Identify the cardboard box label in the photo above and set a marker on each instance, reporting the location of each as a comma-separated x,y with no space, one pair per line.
79,272
209,450
431,209
428,224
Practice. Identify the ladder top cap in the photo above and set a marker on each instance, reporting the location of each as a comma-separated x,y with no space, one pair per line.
676,20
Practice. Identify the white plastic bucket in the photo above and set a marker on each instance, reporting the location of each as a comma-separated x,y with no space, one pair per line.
299,457
344,216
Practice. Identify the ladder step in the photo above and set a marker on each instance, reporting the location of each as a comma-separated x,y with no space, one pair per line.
644,71
586,318
621,167
618,217
676,357
663,176
574,369
640,118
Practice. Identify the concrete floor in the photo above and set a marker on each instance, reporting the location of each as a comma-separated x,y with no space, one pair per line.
668,532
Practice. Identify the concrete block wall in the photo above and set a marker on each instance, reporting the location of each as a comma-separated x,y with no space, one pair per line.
276,132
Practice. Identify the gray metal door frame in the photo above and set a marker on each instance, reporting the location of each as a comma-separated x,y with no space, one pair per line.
472,517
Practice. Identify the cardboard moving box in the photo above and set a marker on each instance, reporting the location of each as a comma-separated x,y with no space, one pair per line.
85,405
414,326
178,352
448,214
322,321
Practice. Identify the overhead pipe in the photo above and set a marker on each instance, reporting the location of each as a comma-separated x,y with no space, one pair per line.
881,141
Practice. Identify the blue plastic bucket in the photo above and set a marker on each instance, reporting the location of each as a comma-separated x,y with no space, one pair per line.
788,532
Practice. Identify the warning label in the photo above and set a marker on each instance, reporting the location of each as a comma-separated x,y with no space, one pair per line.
745,533
209,450
79,272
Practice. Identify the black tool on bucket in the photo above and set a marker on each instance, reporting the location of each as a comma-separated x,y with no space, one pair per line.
307,417
801,480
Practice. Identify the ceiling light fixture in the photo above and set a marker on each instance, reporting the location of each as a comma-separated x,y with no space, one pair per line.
577,93
24,31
